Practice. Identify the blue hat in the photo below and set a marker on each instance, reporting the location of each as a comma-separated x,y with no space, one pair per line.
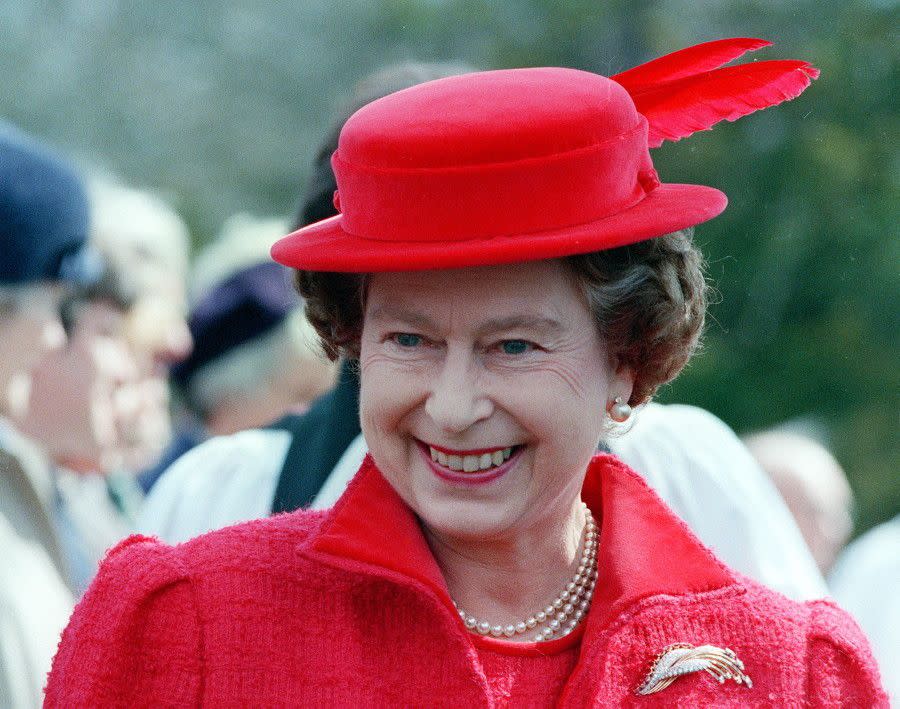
43,215
246,305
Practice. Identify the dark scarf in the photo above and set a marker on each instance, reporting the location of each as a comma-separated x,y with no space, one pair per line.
319,438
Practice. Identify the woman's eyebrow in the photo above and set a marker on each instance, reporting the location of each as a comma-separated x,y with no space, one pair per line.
511,322
409,317
529,322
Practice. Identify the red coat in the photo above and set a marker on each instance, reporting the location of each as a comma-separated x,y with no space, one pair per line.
348,608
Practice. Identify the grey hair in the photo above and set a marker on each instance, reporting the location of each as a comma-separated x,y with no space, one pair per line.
246,371
17,297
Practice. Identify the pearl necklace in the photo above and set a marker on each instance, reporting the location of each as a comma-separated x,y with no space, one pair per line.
565,612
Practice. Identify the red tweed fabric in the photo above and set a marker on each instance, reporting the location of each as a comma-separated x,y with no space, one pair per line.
348,608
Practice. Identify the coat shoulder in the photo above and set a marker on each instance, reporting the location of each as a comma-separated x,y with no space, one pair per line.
270,541
841,668
801,654
135,633
836,659
138,635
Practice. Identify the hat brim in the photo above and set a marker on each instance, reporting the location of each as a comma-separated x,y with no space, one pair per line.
325,246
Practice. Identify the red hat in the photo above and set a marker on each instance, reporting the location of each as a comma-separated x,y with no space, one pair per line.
523,164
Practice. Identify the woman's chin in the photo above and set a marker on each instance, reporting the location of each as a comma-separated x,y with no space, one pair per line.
466,520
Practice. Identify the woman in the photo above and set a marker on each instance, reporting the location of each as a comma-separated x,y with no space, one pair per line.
512,276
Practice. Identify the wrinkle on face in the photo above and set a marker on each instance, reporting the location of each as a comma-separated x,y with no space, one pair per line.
574,351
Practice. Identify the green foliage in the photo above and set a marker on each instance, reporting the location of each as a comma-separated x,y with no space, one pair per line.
806,257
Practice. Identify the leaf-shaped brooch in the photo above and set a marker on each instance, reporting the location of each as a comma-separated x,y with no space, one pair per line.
682,659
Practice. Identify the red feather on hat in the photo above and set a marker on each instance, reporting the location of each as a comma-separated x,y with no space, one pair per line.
690,90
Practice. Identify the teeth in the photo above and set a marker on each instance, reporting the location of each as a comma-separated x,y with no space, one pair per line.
471,463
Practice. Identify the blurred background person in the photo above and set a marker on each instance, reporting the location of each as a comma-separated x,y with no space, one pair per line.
84,356
813,485
148,245
67,381
80,415
689,456
255,356
43,254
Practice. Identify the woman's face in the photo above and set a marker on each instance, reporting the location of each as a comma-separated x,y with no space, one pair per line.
484,393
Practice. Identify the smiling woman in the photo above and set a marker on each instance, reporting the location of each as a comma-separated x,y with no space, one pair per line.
512,275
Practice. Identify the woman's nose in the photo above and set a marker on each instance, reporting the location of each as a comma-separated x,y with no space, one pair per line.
457,400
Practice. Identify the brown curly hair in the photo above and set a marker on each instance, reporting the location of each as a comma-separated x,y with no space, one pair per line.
648,301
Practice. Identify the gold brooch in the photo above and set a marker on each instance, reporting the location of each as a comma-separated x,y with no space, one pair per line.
682,659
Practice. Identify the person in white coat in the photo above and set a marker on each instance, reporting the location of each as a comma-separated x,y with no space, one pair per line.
43,242
865,581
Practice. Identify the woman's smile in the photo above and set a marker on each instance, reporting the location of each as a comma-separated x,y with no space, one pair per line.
470,467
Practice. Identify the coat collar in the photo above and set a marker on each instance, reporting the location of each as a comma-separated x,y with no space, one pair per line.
27,480
644,549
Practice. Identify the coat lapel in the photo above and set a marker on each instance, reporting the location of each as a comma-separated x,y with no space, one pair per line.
645,549
371,524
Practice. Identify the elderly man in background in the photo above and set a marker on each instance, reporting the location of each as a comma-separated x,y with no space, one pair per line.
43,254
814,487
148,244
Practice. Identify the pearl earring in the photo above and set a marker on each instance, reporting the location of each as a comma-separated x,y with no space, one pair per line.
619,411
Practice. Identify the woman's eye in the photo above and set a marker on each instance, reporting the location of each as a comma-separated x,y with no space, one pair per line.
407,339
515,347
